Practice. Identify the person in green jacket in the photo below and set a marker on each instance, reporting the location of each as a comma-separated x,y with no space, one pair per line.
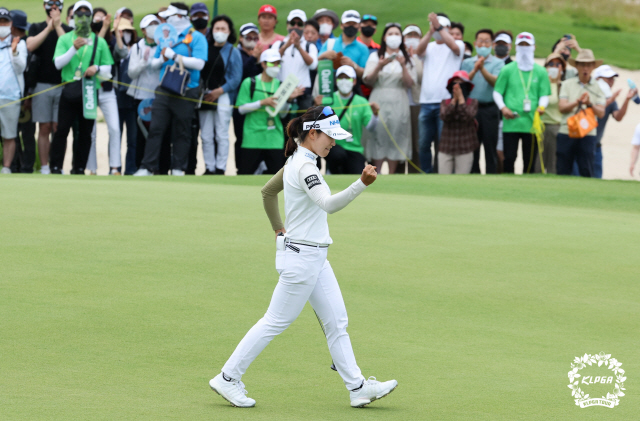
263,138
355,114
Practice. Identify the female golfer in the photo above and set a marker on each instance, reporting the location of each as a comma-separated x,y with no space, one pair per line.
301,261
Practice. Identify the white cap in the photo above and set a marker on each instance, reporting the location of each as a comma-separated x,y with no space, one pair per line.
148,20
504,38
171,11
444,21
329,126
525,37
297,13
270,55
604,71
346,70
350,16
410,29
82,3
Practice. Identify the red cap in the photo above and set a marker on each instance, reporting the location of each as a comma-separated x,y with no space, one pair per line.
267,8
462,75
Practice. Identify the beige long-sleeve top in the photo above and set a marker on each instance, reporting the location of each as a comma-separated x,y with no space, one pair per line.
270,199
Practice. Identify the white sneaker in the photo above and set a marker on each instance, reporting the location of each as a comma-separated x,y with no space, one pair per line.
5,170
232,391
45,170
370,391
142,172
179,173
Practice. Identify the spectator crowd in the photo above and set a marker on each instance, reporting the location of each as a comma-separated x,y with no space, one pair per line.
422,96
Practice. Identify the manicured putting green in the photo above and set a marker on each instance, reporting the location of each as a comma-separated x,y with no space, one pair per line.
120,298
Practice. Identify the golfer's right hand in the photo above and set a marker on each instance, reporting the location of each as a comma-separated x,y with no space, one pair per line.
369,175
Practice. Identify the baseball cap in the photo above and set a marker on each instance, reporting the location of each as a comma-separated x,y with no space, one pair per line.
350,16
19,19
148,20
247,28
297,13
504,38
346,70
267,8
171,11
410,29
329,126
124,10
82,3
602,71
4,14
198,8
525,37
270,55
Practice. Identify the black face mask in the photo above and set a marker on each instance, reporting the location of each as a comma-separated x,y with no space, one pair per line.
467,55
368,31
565,56
296,30
501,50
96,26
350,31
199,23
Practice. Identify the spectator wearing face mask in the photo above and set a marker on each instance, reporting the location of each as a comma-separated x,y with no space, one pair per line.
457,31
391,72
354,53
574,93
42,40
459,132
221,79
522,88
367,31
347,156
412,35
144,76
563,47
552,117
299,57
69,18
441,59
200,18
169,111
13,61
502,45
327,22
483,70
605,76
263,138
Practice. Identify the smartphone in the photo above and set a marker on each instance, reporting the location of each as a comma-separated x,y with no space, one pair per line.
568,37
393,56
515,114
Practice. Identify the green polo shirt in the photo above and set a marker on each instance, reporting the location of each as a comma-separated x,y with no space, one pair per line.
83,55
354,120
257,133
482,91
511,86
571,90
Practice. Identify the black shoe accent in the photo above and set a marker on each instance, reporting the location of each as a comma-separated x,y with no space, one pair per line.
207,172
56,170
219,171
229,379
333,367
358,388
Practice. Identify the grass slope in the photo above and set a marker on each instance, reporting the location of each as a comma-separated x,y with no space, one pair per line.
121,298
615,47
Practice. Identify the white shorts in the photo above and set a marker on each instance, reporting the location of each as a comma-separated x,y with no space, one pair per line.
44,107
9,117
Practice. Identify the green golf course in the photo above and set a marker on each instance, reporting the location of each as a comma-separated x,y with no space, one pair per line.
121,297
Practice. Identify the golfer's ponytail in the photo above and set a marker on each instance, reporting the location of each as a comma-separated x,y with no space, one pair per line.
295,129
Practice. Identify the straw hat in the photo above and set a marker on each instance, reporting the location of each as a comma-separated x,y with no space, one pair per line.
125,25
585,56
555,56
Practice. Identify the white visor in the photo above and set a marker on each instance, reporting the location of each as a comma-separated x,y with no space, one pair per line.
171,11
329,126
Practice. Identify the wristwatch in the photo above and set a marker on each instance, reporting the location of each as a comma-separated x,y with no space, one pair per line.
440,28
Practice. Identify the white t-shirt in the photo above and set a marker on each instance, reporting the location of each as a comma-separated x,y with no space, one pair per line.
292,62
439,65
308,199
636,136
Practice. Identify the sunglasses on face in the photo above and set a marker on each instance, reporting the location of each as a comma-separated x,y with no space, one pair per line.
54,3
554,65
252,38
83,14
297,23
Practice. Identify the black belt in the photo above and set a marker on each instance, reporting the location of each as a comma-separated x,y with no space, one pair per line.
486,104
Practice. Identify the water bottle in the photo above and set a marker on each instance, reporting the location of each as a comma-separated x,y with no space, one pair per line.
632,85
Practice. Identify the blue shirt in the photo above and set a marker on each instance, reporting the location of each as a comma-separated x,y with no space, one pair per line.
482,91
319,41
198,48
356,51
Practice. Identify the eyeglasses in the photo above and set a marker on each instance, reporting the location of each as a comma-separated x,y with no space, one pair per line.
326,111
370,17
297,23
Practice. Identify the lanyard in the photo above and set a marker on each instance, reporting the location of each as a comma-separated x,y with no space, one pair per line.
349,111
528,87
264,89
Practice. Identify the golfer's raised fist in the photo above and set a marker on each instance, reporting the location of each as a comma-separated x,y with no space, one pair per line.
369,175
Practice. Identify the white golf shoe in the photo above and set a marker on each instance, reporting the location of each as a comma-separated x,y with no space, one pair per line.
370,391
232,391
143,172
178,173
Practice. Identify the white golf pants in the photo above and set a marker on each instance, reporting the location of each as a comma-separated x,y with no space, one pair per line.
108,103
216,122
305,275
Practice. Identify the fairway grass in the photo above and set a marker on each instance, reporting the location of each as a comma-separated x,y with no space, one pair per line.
121,297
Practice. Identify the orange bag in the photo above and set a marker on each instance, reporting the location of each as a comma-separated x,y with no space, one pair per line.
581,123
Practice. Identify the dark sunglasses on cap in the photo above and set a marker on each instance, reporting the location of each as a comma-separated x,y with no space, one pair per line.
370,17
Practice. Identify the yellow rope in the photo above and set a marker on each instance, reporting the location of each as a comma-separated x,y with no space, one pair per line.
398,147
537,130
36,94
